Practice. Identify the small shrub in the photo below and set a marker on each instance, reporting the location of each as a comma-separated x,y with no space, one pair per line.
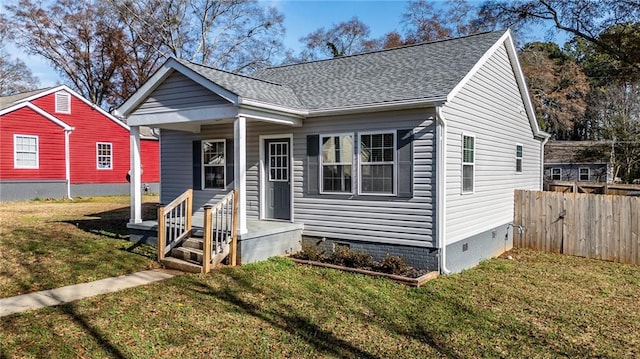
343,255
393,264
312,253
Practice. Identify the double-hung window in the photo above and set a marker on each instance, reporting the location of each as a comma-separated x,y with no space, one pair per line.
556,174
519,158
104,156
377,163
468,163
213,163
25,151
584,174
337,163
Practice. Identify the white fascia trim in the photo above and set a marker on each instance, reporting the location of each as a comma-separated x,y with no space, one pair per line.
268,116
79,97
222,112
396,105
259,105
38,110
158,78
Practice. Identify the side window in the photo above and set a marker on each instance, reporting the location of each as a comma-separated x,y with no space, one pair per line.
556,174
213,163
585,174
25,151
63,102
468,163
377,163
104,156
336,163
518,158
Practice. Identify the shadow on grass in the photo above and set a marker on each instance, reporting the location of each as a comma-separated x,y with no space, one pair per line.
113,223
322,340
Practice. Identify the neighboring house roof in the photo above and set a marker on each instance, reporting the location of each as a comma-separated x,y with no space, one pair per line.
7,101
583,152
8,109
10,103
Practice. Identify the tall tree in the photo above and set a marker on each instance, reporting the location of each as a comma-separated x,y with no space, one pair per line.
586,19
342,39
15,76
108,49
557,86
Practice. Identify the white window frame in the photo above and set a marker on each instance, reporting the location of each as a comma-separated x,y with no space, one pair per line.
352,163
63,96
287,157
559,173
98,155
224,165
394,163
588,174
15,151
521,157
472,164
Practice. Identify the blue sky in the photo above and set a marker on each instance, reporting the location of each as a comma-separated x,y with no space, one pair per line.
301,18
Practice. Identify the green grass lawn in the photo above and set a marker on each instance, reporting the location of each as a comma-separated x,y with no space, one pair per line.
536,305
48,244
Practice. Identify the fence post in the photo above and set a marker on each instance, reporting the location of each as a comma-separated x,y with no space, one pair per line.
206,249
162,232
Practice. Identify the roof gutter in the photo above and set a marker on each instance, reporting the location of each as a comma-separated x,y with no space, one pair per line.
441,186
347,110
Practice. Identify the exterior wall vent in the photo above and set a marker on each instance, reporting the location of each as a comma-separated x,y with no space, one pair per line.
63,102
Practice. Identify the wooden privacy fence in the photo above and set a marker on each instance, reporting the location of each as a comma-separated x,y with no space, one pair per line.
586,225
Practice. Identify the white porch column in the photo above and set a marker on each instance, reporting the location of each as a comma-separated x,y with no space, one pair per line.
240,169
135,179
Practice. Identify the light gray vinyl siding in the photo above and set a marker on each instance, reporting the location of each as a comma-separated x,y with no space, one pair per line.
490,108
382,219
370,218
178,92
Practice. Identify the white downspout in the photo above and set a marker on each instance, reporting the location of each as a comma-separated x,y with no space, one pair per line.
67,161
441,195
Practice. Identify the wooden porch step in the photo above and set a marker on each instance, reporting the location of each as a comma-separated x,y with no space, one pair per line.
188,254
175,263
195,243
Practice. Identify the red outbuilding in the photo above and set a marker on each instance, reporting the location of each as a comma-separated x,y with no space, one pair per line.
55,143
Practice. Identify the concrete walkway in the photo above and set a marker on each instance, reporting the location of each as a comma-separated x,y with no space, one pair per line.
51,297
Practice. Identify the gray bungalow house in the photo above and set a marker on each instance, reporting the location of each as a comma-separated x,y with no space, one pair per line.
413,151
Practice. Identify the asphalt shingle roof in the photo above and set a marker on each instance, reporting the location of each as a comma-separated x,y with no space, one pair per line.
8,101
426,71
423,71
248,87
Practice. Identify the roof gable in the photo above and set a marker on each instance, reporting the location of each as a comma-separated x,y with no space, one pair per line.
37,110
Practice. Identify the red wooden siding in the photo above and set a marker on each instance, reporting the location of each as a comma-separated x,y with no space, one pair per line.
150,157
25,121
91,127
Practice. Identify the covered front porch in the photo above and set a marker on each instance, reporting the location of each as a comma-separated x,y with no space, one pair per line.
204,146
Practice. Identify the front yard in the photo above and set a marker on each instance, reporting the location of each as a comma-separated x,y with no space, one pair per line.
48,244
536,305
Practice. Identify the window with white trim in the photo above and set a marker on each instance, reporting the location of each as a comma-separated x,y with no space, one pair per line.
556,174
584,174
104,156
336,163
63,102
377,162
468,163
25,151
213,164
519,158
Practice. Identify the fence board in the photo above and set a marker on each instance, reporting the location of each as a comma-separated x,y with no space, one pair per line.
587,225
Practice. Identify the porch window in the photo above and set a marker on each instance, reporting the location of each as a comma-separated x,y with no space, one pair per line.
468,163
585,174
519,158
213,163
104,156
25,151
377,163
556,174
336,163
